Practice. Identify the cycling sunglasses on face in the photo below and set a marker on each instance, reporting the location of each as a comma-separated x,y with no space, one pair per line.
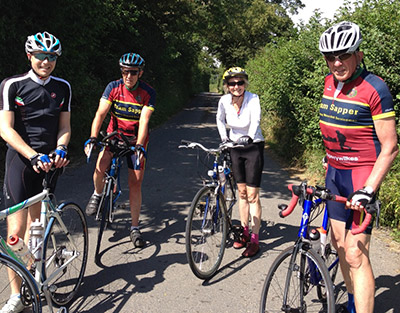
342,57
43,56
132,72
239,83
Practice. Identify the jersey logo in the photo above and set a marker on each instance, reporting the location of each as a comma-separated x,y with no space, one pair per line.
139,99
53,95
19,101
352,93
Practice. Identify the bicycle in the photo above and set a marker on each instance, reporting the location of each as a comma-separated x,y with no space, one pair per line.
301,278
119,145
209,222
60,255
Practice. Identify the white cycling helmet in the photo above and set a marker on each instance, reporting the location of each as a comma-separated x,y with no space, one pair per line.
344,37
43,42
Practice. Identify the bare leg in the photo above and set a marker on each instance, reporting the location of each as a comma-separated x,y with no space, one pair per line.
135,179
357,256
19,224
102,164
244,206
253,199
338,235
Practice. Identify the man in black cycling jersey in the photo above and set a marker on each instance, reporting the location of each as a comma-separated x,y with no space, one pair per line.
35,123
357,121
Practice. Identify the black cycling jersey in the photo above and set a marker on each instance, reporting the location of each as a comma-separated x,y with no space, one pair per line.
37,105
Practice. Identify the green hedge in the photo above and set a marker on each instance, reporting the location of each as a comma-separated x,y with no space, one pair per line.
288,76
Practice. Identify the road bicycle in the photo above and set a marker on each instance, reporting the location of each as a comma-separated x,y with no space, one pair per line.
119,145
60,253
302,277
209,221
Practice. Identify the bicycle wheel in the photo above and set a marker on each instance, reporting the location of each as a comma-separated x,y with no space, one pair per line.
206,230
230,194
66,251
306,273
30,295
107,203
331,259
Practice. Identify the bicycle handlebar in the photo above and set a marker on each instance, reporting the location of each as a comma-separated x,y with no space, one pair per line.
324,194
223,146
125,146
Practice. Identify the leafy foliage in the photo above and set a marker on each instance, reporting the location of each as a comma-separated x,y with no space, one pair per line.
235,29
288,77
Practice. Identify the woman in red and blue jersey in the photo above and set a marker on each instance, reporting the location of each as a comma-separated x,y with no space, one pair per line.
357,122
131,103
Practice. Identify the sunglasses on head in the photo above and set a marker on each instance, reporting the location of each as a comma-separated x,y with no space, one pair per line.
132,72
342,57
239,83
43,56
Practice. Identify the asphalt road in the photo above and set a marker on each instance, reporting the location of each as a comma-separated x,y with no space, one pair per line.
158,278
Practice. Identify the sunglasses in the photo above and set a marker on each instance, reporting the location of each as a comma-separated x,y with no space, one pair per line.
341,57
239,83
43,56
132,72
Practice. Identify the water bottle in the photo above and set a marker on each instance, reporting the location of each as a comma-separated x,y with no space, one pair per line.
221,174
314,237
35,239
323,238
20,250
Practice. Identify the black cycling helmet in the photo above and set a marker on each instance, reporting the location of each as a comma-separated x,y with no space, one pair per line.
131,60
234,72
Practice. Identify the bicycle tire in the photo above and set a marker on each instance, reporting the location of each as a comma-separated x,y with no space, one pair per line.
331,260
29,291
66,238
206,232
107,203
230,194
301,293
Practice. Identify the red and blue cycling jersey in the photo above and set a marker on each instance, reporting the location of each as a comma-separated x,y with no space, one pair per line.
347,114
127,105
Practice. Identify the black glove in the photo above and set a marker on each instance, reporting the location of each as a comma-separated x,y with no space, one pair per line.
363,196
244,140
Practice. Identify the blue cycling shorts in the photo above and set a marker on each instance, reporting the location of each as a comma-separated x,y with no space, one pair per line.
344,182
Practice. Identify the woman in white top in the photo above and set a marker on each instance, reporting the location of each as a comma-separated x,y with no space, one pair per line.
240,111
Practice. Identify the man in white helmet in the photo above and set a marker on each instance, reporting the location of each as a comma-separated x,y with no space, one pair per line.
357,122
35,122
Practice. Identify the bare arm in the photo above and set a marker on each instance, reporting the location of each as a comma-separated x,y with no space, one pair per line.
102,110
63,136
386,131
144,125
9,134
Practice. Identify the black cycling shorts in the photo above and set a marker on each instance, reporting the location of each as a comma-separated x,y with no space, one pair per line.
248,164
21,181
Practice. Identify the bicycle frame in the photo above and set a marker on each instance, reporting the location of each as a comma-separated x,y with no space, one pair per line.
112,175
48,214
220,186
